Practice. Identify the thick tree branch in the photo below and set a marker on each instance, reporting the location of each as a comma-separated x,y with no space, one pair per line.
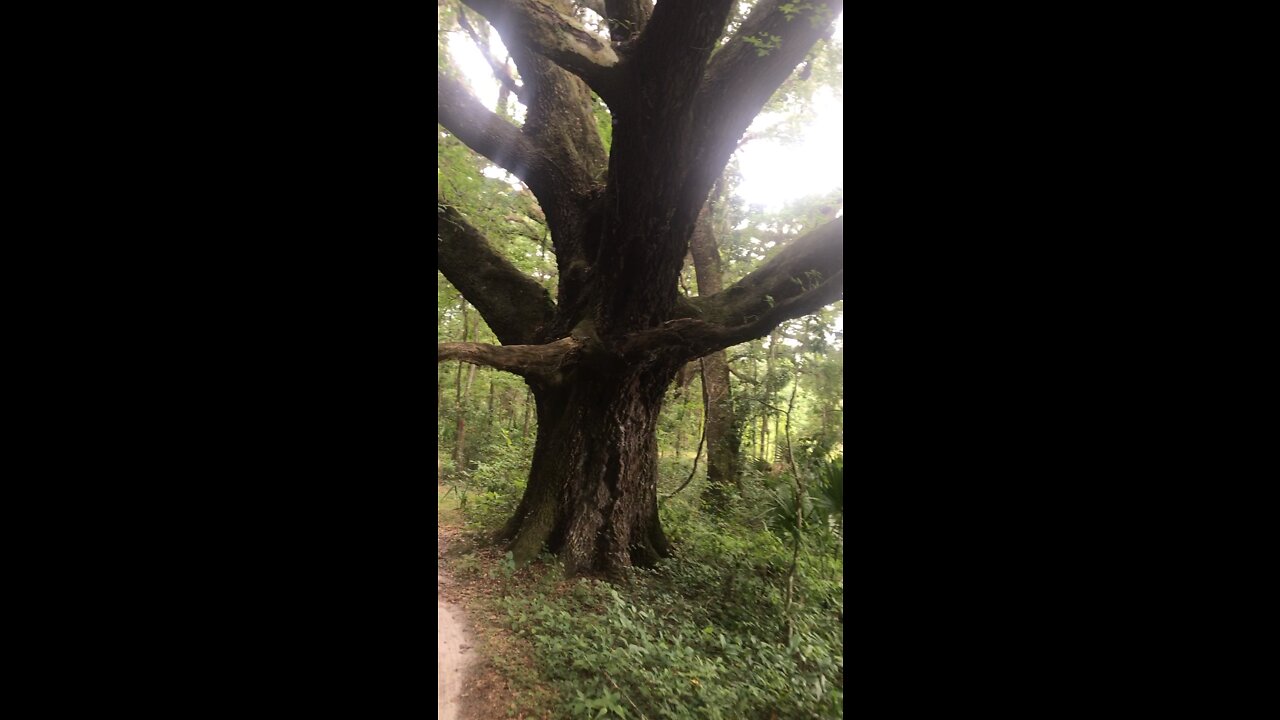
801,279
483,130
650,156
566,160
555,36
799,272
541,363
678,39
744,74
694,338
626,18
514,305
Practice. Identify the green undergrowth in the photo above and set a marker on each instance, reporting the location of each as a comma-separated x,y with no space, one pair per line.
488,491
703,635
674,645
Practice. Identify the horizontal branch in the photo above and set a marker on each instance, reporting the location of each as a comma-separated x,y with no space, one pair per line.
771,406
514,305
541,363
557,37
807,275
694,338
483,130
790,281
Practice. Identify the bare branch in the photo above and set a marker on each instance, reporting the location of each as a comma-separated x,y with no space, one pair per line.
483,130
500,70
566,159
514,305
542,363
555,36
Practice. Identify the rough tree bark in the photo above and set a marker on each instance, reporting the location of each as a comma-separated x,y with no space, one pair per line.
598,360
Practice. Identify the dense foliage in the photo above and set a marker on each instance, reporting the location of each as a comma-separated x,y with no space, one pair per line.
707,634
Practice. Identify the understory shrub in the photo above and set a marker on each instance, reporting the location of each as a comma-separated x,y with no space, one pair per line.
496,481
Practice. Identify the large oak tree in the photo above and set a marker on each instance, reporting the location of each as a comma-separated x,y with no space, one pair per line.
599,358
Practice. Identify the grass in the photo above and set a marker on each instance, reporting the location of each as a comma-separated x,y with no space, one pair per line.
708,635
448,507
700,638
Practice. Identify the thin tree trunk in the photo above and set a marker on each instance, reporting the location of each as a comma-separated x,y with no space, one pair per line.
722,435
764,434
767,451
777,446
757,437
459,410
684,410
488,420
801,491
791,577
702,438
791,403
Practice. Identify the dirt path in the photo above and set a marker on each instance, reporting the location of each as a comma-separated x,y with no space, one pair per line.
452,646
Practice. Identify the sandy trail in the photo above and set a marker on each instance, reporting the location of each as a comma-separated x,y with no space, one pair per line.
452,649
450,659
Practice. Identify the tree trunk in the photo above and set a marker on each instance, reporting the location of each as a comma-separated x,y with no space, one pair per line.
592,492
600,357
759,389
460,429
460,432
764,434
777,437
722,433
723,439
488,420
684,410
